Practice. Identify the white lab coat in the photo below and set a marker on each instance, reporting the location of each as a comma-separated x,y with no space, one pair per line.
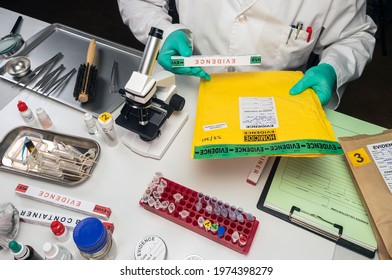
229,27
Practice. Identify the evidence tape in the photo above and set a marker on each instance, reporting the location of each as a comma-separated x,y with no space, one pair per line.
295,148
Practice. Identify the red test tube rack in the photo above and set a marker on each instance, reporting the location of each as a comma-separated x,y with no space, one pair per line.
189,209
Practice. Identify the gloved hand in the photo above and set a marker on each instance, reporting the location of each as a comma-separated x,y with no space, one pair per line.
178,43
321,79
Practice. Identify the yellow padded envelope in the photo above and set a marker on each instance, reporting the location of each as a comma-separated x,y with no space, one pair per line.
252,114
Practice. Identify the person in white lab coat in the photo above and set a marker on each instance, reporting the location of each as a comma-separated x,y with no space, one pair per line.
341,34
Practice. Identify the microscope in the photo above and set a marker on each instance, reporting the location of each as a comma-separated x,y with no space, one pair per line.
150,99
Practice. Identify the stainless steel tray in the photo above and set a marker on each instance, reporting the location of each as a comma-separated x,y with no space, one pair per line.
15,159
73,44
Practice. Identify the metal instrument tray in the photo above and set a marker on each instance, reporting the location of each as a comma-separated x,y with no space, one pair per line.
15,160
73,44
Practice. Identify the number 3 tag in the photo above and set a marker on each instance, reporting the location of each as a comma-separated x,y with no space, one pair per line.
358,157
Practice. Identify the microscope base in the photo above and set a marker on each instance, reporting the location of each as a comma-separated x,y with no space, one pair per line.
157,147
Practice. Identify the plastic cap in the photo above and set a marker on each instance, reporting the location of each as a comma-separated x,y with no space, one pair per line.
88,118
90,235
57,228
18,250
105,120
40,111
221,231
15,246
22,106
51,250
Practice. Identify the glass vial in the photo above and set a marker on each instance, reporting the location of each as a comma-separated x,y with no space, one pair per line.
106,122
90,123
56,252
26,113
93,240
59,231
43,118
23,252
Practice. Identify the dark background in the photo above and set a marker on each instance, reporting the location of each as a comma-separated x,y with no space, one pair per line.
368,98
98,17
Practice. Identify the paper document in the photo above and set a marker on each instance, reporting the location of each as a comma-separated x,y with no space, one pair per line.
323,193
323,187
382,156
252,114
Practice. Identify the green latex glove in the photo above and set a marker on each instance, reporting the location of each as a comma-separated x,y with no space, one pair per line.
178,43
321,79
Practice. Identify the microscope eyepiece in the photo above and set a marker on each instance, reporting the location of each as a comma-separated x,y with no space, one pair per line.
150,51
156,32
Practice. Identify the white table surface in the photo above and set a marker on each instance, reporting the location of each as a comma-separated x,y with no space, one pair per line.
121,177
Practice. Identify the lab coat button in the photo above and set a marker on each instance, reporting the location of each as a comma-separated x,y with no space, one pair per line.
242,19
231,69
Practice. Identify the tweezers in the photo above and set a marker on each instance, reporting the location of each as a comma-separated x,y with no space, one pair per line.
38,70
61,82
48,78
113,78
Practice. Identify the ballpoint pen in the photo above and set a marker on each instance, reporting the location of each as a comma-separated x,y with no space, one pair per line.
291,31
309,31
299,28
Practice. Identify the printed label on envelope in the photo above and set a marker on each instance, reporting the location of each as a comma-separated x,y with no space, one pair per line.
358,157
382,156
258,112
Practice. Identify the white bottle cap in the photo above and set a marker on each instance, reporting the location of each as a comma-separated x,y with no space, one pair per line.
88,118
51,251
40,111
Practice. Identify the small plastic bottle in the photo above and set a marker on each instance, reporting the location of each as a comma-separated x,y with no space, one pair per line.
26,113
90,123
59,231
23,252
106,122
56,252
93,240
43,118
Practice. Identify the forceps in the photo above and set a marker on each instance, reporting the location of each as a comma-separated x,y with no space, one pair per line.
38,70
113,78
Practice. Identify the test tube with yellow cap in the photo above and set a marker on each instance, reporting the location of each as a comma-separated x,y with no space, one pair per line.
106,122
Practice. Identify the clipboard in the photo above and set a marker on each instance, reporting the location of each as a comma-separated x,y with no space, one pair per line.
292,216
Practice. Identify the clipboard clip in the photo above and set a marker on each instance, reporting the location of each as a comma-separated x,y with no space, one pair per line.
313,228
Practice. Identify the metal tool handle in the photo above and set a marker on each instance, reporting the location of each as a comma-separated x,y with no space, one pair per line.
16,25
91,52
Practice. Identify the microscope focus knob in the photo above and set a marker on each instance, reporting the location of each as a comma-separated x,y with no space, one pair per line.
177,102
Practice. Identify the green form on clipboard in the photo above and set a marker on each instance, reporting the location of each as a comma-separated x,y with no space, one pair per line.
318,194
